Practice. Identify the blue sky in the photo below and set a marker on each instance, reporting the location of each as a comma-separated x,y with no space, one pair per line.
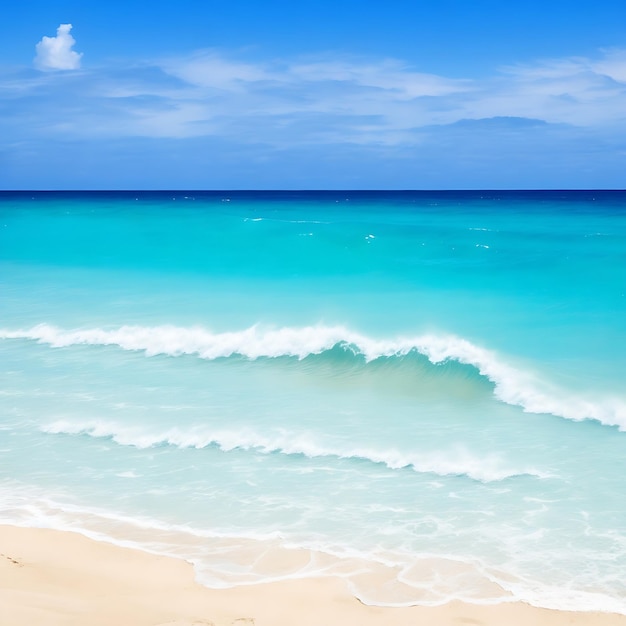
309,95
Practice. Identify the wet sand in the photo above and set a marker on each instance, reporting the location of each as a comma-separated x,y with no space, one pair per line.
57,578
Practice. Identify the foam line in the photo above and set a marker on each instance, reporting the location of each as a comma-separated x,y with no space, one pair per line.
456,462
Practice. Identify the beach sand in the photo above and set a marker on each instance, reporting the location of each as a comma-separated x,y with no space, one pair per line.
62,578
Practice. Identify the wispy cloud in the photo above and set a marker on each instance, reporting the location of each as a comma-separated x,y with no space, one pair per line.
213,71
578,91
389,75
308,101
613,65
55,53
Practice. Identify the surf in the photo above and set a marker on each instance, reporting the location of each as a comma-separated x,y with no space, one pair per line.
511,385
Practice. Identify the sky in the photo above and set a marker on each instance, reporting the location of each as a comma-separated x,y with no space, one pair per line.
242,94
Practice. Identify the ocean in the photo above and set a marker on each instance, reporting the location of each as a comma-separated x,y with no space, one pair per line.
420,392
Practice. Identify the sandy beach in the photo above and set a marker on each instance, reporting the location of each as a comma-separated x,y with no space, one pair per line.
62,578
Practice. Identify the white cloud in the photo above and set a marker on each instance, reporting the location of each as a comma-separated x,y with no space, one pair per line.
385,101
388,75
322,99
613,65
208,69
579,91
55,53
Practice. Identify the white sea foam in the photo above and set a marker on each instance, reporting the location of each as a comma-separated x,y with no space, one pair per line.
449,462
512,385
222,558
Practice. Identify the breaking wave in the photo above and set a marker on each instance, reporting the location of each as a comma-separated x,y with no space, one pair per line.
511,385
453,462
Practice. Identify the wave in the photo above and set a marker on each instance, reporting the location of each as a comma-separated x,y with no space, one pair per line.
456,462
511,385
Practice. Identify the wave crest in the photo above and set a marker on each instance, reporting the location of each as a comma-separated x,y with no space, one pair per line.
454,462
511,385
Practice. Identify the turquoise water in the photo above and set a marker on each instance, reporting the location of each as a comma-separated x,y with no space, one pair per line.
422,393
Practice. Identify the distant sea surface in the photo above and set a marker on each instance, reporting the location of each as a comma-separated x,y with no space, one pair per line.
421,392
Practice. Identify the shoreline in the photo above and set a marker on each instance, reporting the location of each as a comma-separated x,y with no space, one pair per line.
60,578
